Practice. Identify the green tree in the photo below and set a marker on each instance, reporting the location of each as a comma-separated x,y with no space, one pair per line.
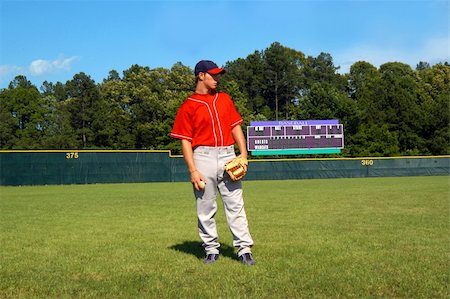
59,134
117,131
154,97
142,86
364,89
113,75
23,112
249,74
320,69
387,111
85,108
240,101
436,109
401,103
282,76
321,102
56,90
270,79
180,85
8,123
373,140
422,66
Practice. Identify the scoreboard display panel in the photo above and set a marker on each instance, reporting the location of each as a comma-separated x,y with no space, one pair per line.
293,137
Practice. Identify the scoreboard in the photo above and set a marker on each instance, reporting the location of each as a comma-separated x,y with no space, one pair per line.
293,137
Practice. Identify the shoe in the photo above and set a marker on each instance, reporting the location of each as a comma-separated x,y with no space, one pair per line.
247,259
211,258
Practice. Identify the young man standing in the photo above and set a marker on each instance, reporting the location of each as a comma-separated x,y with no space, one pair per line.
208,125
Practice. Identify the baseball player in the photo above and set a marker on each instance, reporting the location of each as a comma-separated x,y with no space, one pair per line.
208,126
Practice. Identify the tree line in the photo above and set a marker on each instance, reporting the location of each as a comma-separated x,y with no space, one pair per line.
387,111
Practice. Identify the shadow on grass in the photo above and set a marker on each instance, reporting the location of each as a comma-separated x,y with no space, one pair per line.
195,248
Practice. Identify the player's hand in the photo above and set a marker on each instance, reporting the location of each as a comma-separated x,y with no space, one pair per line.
196,178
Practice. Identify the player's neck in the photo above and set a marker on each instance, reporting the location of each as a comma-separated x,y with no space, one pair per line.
202,89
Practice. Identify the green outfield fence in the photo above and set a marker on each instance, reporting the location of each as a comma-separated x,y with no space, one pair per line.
57,167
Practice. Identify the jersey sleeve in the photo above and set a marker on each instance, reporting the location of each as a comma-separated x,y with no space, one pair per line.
182,127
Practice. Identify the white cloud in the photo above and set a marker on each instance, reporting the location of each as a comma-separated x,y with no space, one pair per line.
41,67
6,70
432,51
38,67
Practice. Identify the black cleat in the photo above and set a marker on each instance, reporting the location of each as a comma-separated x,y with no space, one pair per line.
247,259
211,258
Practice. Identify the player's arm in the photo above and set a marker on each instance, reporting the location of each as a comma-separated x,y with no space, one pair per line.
239,137
188,155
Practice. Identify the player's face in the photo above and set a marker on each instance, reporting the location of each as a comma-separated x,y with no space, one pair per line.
211,80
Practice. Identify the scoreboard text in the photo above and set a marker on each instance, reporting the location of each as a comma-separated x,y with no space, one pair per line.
293,137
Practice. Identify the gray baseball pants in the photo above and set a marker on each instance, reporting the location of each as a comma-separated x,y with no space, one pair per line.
210,162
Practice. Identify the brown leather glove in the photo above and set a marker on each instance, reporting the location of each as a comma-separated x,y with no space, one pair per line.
236,168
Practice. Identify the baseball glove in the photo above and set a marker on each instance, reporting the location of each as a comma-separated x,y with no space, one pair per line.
236,168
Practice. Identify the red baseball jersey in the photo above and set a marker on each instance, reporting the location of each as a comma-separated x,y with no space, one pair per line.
207,120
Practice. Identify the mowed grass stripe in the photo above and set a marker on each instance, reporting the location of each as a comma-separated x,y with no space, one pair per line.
353,238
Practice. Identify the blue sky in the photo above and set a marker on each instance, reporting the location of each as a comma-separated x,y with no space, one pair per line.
54,40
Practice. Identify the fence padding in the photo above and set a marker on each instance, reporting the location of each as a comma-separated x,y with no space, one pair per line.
348,168
89,167
40,168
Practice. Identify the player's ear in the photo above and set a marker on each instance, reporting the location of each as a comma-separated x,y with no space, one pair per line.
201,76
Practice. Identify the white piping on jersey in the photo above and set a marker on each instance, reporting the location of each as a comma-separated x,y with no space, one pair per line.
212,118
218,121
182,136
236,123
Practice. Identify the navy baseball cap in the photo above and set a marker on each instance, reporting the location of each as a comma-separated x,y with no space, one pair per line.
207,66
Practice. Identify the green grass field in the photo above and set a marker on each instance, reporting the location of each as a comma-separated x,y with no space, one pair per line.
348,238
